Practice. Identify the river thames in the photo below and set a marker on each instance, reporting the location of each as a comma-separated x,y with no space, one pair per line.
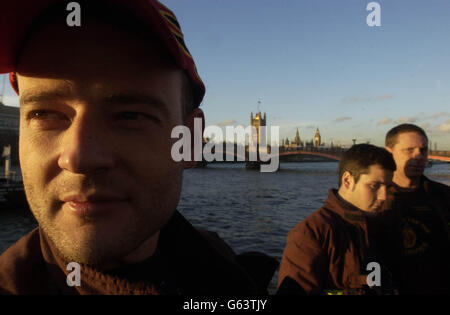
251,211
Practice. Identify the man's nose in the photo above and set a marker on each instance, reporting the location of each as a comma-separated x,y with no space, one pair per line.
84,147
382,193
419,153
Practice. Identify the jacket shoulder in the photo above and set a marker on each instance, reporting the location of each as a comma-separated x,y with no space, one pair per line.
305,257
439,187
217,243
209,264
21,265
316,226
437,190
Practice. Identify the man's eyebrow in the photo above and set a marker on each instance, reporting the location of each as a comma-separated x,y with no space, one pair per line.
132,98
415,146
107,99
125,98
381,182
44,96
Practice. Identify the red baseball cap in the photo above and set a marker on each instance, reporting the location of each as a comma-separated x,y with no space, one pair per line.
19,15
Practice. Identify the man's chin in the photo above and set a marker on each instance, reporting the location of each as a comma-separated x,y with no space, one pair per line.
414,173
89,246
373,211
375,208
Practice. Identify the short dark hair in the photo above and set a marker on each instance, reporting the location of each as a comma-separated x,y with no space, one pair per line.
360,157
392,135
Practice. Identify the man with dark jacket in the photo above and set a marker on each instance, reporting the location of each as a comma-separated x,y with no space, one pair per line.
422,212
102,84
334,248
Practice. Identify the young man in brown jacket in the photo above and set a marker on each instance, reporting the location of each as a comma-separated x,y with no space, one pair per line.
331,250
99,97
422,209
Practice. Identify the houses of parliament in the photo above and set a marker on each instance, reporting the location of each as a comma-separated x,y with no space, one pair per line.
260,120
297,142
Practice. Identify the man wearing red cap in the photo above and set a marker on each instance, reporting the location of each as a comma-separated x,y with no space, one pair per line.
98,103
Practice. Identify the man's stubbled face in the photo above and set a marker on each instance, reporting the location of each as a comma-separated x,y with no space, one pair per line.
97,107
410,153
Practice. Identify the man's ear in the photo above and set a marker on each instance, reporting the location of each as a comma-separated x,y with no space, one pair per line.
196,114
388,149
347,180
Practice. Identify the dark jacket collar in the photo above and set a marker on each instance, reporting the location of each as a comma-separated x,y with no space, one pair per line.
199,263
425,183
346,210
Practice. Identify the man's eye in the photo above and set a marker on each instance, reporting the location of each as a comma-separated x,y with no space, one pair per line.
132,115
48,119
40,114
46,115
136,116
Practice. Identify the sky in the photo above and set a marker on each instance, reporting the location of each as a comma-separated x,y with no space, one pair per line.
317,64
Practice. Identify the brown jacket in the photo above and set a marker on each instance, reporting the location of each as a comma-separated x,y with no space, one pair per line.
187,261
329,250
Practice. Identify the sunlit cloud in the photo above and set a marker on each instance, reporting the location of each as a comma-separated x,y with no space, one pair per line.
425,125
406,120
10,100
439,115
384,121
445,127
228,122
341,119
366,99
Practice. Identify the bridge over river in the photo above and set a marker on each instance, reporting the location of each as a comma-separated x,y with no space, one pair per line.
309,153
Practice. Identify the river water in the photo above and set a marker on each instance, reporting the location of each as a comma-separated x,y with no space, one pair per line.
251,211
